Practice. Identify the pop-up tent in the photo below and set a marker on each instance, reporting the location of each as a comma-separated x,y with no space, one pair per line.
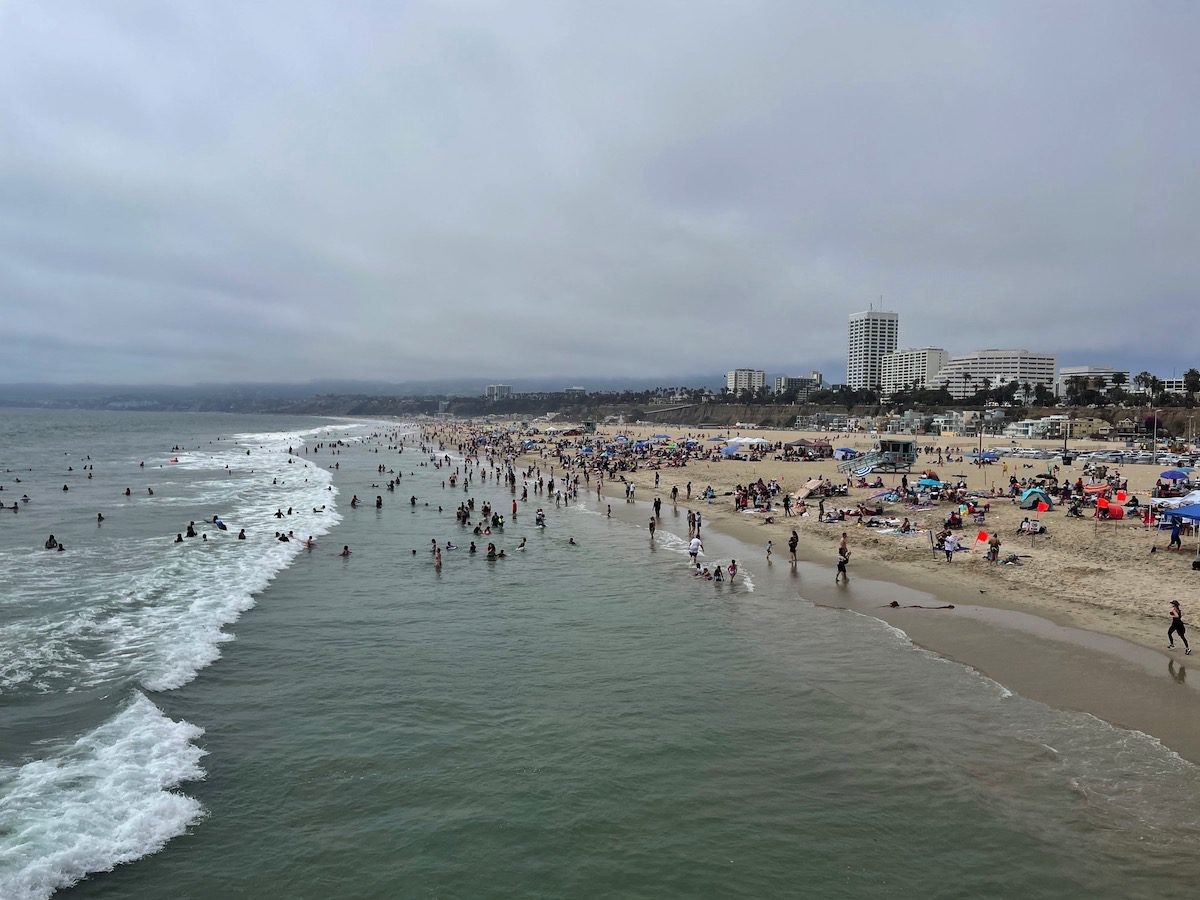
1185,512
1032,497
1168,502
750,441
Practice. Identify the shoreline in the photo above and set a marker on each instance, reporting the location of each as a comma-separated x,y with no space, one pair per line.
1070,658
1062,666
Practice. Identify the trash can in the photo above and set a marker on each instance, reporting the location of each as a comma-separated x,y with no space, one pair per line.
1068,459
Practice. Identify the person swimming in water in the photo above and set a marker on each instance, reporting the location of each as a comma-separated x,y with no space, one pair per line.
345,550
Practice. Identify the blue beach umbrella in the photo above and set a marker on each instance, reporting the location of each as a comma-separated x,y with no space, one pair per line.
929,482
719,440
728,451
662,437
1173,475
587,450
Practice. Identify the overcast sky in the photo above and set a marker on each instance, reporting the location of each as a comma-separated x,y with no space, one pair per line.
280,191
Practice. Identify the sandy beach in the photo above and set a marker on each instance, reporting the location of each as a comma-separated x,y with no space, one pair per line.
1081,624
1100,576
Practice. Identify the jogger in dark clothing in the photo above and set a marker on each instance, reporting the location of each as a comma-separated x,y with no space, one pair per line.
1177,628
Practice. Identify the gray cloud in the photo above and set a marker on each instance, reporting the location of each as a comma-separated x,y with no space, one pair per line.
212,191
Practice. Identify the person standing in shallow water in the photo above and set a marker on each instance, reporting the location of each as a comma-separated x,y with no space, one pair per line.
1177,628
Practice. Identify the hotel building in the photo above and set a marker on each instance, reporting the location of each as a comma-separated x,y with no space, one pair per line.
872,335
908,369
963,376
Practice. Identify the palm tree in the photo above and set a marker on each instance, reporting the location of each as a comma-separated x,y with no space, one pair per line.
1075,387
1143,379
1156,388
1191,382
1117,389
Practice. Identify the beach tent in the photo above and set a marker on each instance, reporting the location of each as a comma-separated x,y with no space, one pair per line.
1186,512
752,441
729,451
844,453
1032,497
1186,500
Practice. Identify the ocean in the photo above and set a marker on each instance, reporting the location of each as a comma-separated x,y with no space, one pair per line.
219,718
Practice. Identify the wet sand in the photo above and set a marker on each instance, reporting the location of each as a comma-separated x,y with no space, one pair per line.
1054,645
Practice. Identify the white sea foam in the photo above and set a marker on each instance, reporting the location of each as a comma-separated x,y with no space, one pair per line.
156,611
105,800
151,613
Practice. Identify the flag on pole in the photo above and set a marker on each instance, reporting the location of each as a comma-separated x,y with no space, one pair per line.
982,536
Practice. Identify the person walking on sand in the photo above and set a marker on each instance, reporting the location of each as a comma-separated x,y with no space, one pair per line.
1177,628
950,544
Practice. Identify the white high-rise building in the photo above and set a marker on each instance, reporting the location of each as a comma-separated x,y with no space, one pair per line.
908,369
802,386
873,334
498,391
965,375
1104,373
739,380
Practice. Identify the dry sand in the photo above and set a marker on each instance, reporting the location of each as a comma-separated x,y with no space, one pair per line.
1099,576
1081,625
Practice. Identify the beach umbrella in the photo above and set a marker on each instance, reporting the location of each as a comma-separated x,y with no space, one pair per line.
929,482
587,450
719,440
728,451
846,450
662,437
1173,475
